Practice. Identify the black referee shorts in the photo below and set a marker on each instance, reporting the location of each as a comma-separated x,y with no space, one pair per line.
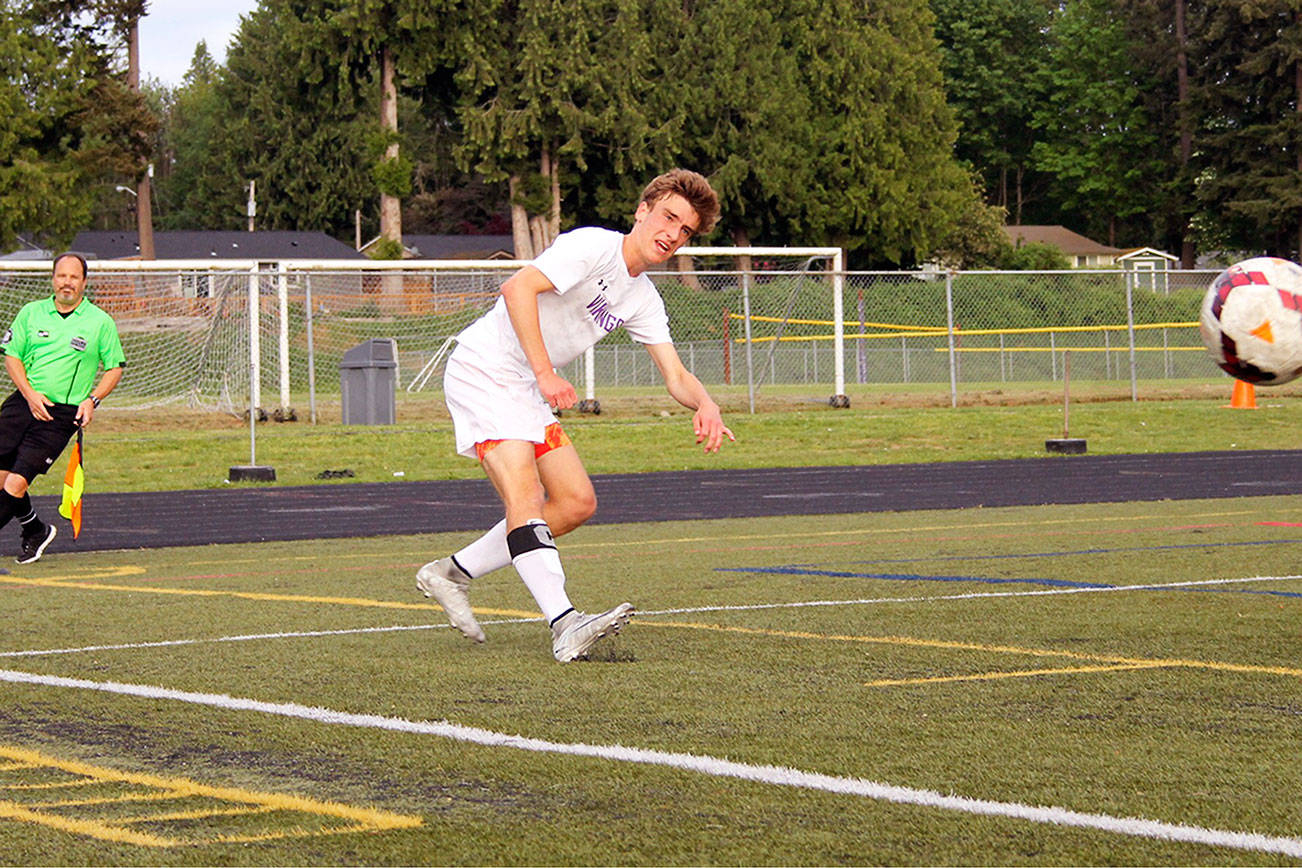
29,446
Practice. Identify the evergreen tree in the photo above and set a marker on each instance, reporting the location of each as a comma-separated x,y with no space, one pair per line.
817,122
1246,72
886,184
731,81
193,123
280,122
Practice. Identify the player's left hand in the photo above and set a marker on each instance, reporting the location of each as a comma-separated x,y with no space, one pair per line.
709,427
85,410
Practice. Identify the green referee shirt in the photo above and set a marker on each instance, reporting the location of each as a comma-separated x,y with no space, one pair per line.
62,354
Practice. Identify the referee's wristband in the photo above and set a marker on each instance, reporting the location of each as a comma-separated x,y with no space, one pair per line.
94,401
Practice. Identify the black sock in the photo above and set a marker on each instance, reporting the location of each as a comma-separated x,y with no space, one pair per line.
9,506
26,514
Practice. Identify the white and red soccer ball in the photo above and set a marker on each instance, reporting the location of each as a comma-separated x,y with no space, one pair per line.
1252,320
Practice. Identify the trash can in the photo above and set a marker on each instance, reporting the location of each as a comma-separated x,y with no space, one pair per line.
368,375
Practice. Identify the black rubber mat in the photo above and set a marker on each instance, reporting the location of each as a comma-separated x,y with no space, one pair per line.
253,513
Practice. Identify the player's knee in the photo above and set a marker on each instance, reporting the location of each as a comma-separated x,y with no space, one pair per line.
15,484
584,506
573,510
525,499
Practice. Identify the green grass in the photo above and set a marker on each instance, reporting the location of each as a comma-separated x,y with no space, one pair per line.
167,449
722,662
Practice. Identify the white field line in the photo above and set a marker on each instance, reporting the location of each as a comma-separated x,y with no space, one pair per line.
645,613
249,637
977,595
707,765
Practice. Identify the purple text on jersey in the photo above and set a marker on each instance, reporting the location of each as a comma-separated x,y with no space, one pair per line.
601,315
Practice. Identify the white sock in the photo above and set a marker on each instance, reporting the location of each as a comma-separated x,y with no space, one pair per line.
487,553
545,578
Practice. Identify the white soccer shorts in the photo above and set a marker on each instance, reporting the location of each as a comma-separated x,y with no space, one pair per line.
502,405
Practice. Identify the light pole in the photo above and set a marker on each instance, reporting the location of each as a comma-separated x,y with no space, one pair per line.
134,198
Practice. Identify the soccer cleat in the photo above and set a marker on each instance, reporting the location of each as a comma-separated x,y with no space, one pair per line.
574,632
34,545
445,582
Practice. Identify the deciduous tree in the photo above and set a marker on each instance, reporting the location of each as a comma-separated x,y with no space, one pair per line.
71,124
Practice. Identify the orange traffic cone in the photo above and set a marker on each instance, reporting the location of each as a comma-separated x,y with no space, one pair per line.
1244,396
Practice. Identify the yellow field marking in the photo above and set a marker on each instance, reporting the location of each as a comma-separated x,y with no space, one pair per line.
732,537
993,676
88,828
245,802
161,796
914,642
55,785
1059,349
199,814
109,572
263,597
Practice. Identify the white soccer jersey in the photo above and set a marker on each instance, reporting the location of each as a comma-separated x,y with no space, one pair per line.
489,387
594,295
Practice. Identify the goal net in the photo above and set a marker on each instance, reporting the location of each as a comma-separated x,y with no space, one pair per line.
184,326
272,336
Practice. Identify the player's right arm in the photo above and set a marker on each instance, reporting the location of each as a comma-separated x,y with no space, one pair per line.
36,402
520,293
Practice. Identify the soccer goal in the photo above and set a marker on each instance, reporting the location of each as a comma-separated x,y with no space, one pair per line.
184,325
241,336
786,328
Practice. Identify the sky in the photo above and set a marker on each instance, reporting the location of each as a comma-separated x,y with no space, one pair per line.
172,28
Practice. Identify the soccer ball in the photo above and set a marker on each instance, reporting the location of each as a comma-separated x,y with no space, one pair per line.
1252,320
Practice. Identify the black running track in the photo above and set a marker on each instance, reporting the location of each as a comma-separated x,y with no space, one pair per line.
272,512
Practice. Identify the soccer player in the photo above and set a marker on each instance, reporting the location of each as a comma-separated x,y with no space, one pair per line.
501,387
52,352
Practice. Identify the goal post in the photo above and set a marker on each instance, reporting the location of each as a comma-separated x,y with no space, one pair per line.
810,297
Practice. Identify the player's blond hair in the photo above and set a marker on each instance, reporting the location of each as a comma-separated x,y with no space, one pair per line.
691,186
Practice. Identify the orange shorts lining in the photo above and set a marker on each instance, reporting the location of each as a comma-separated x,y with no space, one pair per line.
554,437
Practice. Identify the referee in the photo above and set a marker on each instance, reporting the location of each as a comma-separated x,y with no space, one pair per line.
52,352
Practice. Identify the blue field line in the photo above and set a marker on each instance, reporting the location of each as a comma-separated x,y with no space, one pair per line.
1241,591
794,570
910,577
938,558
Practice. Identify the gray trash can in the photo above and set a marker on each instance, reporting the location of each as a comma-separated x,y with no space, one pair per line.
368,375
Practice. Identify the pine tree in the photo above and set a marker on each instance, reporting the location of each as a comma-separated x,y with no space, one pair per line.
1246,72
545,86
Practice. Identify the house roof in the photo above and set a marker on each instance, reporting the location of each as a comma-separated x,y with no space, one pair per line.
1147,253
1070,243
281,244
27,256
461,246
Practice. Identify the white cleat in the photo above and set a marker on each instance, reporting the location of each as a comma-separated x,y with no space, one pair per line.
443,581
574,633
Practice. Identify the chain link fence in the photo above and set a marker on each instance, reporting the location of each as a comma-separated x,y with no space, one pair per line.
762,321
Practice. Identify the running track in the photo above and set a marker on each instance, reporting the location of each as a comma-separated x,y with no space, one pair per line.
254,513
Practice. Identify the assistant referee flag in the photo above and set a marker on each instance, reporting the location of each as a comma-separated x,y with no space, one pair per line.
73,483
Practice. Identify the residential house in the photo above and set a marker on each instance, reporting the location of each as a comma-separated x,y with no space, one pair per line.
1080,251
264,246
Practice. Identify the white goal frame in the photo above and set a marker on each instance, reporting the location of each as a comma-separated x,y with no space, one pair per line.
837,257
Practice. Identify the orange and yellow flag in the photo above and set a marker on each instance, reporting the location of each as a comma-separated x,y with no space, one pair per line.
73,483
